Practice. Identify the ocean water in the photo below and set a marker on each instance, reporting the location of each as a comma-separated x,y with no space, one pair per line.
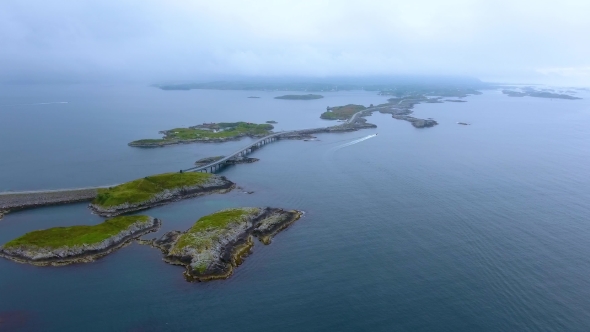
452,228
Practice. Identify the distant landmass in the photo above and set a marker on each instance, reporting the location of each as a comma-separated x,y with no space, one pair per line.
260,86
300,97
332,84
531,92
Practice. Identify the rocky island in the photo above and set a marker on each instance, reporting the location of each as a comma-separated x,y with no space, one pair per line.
219,242
233,161
77,244
300,97
157,190
207,133
342,112
208,160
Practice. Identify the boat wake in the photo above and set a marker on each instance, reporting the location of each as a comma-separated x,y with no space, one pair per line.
35,104
329,157
356,141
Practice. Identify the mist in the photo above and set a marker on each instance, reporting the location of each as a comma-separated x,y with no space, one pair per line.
156,41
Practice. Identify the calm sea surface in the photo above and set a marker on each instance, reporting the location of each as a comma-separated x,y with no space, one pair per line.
453,228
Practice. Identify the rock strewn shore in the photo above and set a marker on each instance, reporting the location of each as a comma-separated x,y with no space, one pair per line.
79,254
241,160
20,201
216,184
233,161
229,251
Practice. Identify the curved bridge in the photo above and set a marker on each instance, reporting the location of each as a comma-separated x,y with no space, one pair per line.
212,167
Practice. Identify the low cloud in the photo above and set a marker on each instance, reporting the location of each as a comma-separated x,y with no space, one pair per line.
182,40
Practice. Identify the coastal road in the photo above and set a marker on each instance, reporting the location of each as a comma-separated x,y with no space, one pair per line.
18,199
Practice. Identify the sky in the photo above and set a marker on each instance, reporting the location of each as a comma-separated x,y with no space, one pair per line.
516,41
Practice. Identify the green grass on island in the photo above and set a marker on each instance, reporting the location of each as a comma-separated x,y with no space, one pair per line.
208,131
141,190
59,237
300,97
207,230
341,112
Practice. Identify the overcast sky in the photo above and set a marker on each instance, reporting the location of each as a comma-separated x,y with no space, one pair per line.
152,41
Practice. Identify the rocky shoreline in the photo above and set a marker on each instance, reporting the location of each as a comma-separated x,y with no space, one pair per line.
216,184
21,201
241,160
188,141
207,160
228,251
42,256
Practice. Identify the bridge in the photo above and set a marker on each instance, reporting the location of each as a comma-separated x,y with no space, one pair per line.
216,165
17,200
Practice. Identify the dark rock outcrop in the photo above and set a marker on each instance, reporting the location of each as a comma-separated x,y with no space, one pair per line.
228,248
241,160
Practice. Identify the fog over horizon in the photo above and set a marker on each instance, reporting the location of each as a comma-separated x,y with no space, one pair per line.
167,41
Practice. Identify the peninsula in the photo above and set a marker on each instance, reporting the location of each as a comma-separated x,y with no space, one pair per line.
156,190
207,133
218,242
77,244
300,97
399,108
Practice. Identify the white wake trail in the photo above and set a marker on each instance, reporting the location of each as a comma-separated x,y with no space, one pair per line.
51,103
354,142
35,104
